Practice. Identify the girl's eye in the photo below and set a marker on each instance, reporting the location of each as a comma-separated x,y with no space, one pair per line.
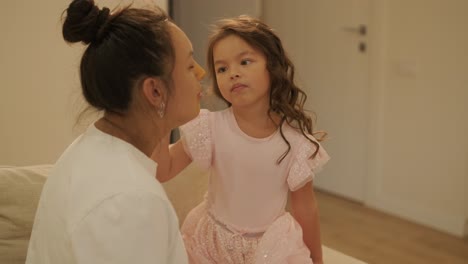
221,69
246,62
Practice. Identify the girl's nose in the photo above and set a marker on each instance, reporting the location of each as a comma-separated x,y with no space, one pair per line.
234,76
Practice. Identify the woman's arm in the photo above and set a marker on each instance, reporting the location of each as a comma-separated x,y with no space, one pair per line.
170,159
305,211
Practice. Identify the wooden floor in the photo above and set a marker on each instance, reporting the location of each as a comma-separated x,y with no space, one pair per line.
375,237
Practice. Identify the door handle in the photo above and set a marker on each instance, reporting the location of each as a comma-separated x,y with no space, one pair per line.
361,30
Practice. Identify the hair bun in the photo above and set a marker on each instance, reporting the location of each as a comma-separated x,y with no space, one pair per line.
84,21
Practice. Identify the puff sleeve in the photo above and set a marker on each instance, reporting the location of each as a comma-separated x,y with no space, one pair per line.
304,168
196,139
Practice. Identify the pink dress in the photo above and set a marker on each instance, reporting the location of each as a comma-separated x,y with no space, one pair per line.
243,217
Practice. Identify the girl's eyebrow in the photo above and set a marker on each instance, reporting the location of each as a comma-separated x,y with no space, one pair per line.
243,53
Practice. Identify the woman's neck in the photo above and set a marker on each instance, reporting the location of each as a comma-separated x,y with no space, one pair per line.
132,130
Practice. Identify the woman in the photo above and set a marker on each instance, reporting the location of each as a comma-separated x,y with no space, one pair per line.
101,203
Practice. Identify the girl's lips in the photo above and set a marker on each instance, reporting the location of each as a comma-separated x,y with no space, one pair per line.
237,87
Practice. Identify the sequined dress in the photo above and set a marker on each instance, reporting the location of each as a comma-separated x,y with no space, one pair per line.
243,217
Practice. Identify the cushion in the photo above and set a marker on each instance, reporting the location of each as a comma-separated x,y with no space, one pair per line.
20,189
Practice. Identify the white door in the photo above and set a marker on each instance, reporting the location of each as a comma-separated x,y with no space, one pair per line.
328,40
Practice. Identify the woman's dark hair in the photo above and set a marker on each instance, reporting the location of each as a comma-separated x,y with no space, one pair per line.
123,48
286,98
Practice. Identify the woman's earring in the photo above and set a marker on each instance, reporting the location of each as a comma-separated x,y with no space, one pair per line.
162,109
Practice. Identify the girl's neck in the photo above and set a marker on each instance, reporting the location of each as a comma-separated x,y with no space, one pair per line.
255,121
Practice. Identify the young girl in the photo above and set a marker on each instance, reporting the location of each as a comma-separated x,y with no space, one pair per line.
257,150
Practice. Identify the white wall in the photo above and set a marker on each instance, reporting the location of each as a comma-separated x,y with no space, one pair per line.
38,80
419,153
40,95
466,207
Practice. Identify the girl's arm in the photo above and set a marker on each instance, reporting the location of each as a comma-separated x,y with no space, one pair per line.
170,159
305,211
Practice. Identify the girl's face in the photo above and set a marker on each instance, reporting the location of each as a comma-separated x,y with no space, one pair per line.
184,102
241,73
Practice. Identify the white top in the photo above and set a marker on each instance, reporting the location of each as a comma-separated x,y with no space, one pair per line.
248,189
102,204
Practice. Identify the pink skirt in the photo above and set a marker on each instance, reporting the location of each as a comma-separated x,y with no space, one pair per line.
207,241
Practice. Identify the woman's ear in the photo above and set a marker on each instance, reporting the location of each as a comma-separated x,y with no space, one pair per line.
154,91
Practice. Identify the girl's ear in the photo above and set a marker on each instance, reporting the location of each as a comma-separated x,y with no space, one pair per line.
154,91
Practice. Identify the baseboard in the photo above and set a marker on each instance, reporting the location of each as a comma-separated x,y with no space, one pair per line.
430,217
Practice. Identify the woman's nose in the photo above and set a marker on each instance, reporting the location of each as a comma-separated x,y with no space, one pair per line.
199,72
